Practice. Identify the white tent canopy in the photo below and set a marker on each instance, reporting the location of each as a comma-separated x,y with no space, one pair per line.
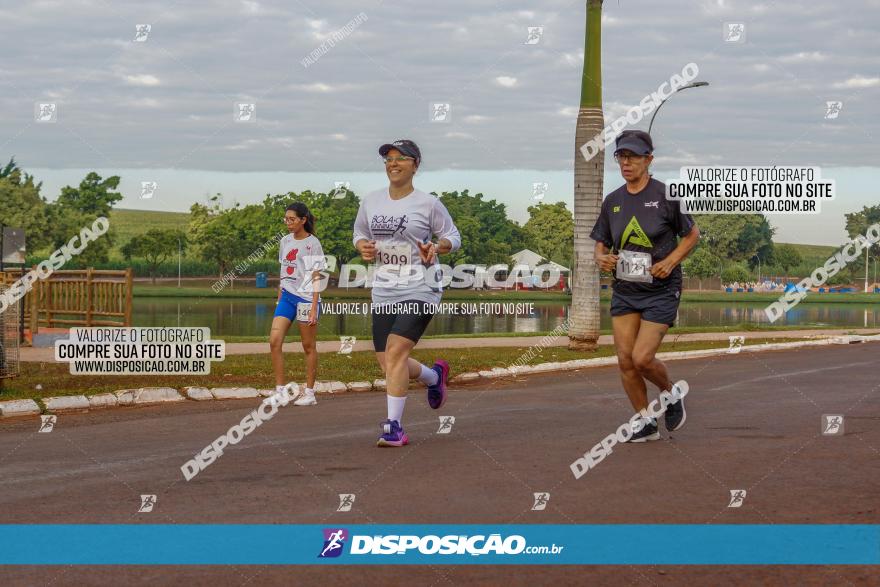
533,259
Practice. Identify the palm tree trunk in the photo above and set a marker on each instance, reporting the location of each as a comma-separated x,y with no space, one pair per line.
583,329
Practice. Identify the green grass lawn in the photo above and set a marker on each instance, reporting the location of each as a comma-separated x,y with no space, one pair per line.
817,252
255,370
131,223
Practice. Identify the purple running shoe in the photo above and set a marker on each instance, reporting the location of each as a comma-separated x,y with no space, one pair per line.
392,434
437,393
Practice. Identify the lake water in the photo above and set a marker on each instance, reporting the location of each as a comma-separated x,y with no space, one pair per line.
244,317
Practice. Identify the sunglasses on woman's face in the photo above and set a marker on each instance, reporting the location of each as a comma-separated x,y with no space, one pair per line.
290,219
401,159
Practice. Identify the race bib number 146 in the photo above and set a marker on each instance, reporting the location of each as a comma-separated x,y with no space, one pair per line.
302,311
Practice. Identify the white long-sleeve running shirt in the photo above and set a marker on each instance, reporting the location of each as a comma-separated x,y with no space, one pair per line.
398,226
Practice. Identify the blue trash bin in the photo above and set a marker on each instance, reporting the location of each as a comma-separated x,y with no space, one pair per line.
262,279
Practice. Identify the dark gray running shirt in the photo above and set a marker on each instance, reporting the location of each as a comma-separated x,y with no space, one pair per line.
645,222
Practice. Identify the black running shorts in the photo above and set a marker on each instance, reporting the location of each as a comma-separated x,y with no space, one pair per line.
660,307
408,319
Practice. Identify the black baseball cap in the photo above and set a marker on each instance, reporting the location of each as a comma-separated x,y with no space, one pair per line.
637,141
405,146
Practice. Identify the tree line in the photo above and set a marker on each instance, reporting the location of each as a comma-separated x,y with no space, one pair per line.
732,247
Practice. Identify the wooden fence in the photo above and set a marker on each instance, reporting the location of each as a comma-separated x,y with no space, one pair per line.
77,297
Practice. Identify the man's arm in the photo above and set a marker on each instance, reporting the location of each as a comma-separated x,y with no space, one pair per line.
604,260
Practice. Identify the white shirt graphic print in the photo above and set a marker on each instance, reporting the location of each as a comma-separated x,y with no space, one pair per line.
296,277
398,227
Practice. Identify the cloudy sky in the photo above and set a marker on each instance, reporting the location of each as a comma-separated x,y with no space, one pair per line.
163,109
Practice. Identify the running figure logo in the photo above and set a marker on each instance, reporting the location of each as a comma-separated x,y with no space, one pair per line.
346,500
245,112
388,226
446,423
334,541
832,109
141,32
147,503
737,496
534,35
539,190
401,225
346,345
734,32
736,344
340,189
46,112
148,189
541,500
441,112
832,424
47,423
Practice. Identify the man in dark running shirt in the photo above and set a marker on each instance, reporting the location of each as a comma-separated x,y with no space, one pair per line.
637,238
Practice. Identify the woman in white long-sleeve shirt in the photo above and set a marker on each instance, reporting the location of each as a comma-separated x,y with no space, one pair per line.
395,228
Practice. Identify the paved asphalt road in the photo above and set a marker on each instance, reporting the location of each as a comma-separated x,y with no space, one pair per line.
754,423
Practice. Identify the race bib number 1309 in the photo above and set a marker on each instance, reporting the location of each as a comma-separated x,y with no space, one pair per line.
394,254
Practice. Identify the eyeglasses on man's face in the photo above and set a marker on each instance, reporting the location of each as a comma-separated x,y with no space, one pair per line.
622,157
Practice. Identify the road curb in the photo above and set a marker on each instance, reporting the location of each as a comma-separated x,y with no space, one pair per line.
66,403
147,395
19,407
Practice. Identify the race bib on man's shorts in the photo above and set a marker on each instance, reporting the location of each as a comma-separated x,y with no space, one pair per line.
634,266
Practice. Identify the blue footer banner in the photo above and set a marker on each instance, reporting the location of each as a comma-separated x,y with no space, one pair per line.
279,544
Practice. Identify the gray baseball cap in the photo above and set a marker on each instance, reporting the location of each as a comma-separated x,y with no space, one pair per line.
637,141
405,146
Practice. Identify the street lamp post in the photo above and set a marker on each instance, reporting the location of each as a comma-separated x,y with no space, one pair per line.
690,85
758,257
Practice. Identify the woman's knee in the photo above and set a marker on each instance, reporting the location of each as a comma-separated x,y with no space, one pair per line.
276,341
642,361
396,354
625,362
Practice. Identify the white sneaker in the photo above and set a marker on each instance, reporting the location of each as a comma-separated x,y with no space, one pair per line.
308,399
293,390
